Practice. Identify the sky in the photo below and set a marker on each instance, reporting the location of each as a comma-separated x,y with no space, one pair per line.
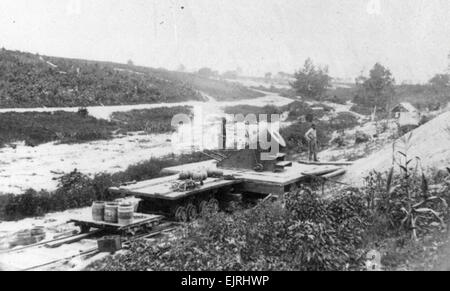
410,37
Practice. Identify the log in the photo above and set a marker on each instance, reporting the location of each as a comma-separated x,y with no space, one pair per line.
334,174
87,252
326,163
319,172
70,240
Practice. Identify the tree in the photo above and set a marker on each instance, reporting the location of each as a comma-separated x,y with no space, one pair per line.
377,90
130,63
440,81
230,75
206,72
311,81
268,76
181,68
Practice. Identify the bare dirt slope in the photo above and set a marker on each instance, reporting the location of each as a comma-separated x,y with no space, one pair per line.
430,142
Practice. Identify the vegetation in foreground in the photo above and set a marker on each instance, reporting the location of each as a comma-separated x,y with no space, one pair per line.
77,190
68,127
397,214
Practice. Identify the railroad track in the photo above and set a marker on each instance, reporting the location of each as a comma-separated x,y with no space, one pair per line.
42,243
164,228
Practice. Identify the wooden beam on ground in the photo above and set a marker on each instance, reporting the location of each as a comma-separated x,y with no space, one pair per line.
326,163
70,240
334,174
319,172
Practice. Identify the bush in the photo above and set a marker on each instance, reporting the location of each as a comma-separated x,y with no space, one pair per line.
361,137
298,109
39,127
344,120
267,237
360,109
158,120
83,112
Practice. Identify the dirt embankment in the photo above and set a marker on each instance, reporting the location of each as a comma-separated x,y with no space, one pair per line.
430,142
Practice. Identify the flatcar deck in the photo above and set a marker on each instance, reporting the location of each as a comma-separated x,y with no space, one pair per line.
161,188
140,219
264,182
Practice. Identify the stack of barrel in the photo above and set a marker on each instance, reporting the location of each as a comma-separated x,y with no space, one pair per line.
117,212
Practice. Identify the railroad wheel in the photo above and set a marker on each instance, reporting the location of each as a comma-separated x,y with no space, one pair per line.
181,214
213,205
84,229
192,212
203,207
294,188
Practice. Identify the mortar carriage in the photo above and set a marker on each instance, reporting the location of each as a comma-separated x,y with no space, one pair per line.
244,171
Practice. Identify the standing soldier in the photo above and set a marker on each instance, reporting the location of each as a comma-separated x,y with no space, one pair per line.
223,135
311,137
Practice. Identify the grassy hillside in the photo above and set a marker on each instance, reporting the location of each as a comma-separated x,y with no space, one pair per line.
29,80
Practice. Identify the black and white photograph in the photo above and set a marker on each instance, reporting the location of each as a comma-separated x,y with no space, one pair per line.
224,136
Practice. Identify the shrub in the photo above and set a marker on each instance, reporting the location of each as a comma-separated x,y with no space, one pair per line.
149,120
266,237
361,137
299,109
83,112
343,120
360,109
305,205
40,127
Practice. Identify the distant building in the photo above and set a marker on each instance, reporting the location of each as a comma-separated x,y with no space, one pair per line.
406,114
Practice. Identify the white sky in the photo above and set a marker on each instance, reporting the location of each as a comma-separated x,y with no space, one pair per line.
411,37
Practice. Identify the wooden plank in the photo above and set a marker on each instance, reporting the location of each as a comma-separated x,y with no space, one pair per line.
319,172
251,180
84,253
187,167
261,188
70,239
139,219
326,163
172,195
335,174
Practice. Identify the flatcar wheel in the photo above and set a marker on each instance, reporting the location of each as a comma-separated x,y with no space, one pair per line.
203,207
192,212
181,214
294,188
85,228
213,205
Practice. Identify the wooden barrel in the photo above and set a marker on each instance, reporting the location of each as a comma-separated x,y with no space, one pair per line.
111,212
24,238
37,230
98,210
126,213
